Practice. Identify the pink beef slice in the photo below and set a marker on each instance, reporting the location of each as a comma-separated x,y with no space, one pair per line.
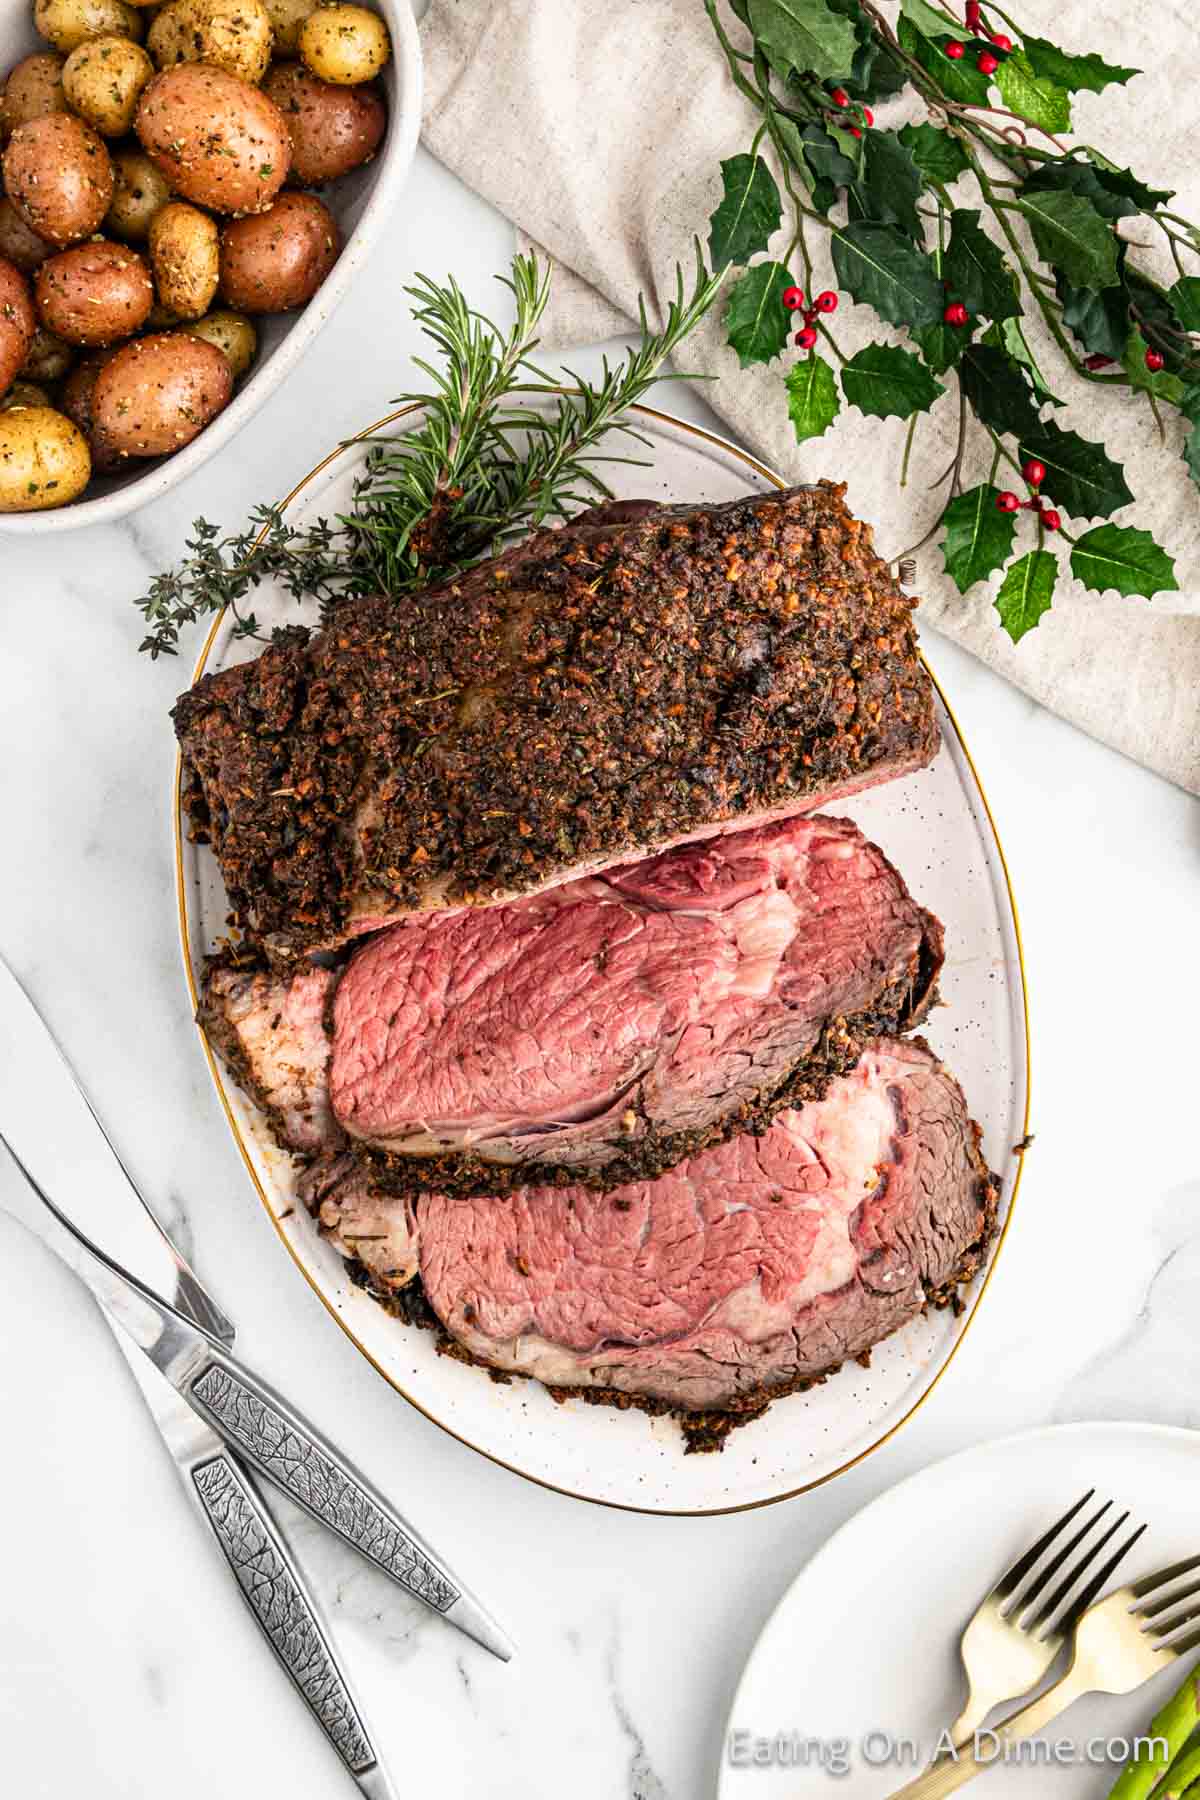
618,1023
755,1267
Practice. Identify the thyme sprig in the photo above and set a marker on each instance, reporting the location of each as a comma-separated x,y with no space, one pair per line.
497,448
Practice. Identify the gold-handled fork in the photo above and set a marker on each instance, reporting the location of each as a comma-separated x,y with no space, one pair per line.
1119,1643
1011,1641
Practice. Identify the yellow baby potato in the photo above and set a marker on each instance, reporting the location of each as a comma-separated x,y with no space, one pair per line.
68,23
103,80
44,459
344,44
185,257
234,35
233,335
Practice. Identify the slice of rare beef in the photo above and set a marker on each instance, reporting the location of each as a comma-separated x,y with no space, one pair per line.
590,697
618,1023
750,1270
604,1029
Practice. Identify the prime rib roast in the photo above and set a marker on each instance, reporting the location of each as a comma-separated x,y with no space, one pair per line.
583,1022
604,1028
750,1270
598,693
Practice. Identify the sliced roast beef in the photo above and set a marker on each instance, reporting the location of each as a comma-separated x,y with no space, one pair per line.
595,695
605,1028
618,1023
749,1270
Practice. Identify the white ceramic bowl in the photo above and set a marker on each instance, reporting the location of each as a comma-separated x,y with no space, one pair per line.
361,203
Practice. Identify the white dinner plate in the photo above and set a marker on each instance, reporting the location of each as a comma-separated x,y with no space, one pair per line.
937,829
860,1658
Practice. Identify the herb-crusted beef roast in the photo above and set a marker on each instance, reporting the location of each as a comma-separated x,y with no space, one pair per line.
588,698
601,1030
752,1269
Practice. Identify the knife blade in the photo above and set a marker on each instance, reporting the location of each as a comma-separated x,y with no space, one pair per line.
256,1421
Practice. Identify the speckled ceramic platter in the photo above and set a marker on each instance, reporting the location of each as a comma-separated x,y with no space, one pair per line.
937,829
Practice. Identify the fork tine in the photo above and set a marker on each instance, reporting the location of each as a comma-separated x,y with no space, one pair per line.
1183,1647
1152,1612
1040,1580
1163,1631
1079,1605
1077,1569
1149,1583
1011,1580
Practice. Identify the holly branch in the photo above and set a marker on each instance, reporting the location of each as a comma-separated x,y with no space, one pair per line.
1049,236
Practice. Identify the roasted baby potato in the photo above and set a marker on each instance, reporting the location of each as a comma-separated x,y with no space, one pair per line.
44,459
344,44
34,88
157,393
139,189
24,393
58,175
218,141
278,259
234,35
48,358
77,394
287,17
185,257
103,81
97,293
17,243
234,336
17,323
67,23
332,129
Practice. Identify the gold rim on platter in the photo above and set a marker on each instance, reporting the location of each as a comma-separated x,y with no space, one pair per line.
1019,1151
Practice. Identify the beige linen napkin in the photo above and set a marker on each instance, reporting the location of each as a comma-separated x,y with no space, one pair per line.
598,127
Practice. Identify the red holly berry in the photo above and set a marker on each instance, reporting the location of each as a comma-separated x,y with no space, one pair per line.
1050,519
854,131
840,97
827,302
955,50
793,298
1097,361
987,64
956,313
1007,501
806,338
1034,472
971,13
868,117
1154,361
1001,41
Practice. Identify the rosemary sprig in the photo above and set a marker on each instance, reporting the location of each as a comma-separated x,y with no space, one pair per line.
477,468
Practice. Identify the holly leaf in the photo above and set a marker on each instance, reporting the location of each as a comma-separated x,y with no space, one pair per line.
997,391
804,35
1099,320
877,265
1026,592
1032,96
1071,235
756,319
941,345
813,402
749,214
1185,299
939,156
975,271
892,182
979,538
1191,453
1189,405
887,382
1122,558
831,164
1077,177
928,21
1163,383
876,74
1072,72
958,80
1124,181
1080,475
1008,336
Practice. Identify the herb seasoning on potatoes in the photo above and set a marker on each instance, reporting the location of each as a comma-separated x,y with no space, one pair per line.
144,219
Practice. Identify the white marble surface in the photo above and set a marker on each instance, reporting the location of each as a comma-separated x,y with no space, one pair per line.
128,1669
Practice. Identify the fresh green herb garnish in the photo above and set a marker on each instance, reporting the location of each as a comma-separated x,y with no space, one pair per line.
479,467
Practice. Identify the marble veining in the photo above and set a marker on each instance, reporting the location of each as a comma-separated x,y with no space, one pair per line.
122,1638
